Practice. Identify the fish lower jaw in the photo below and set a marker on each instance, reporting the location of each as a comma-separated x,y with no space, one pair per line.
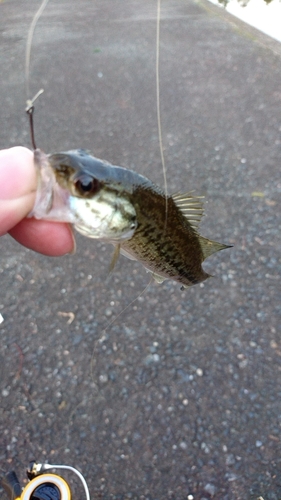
104,234
99,218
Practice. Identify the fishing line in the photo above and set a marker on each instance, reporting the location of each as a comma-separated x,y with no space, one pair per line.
30,102
160,137
34,21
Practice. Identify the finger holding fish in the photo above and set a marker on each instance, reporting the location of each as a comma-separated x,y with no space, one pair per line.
17,195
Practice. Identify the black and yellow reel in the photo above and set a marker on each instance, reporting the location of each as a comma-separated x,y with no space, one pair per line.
42,484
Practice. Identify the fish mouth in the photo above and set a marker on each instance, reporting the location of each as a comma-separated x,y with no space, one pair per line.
52,200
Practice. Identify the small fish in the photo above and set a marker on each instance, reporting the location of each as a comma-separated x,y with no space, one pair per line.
119,206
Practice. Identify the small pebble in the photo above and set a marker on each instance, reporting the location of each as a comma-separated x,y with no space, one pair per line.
152,358
210,488
243,364
231,477
183,445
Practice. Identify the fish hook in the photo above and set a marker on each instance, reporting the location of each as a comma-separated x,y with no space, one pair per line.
30,110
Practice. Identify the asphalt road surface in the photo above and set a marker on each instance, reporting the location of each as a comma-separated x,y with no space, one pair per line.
179,397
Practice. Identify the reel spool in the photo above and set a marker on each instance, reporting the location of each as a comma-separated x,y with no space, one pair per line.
46,487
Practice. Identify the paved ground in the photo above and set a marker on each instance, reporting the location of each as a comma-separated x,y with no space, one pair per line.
181,394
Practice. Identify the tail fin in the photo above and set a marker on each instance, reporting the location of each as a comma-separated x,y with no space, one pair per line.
209,247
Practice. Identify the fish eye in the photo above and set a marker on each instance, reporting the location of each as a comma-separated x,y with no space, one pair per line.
86,185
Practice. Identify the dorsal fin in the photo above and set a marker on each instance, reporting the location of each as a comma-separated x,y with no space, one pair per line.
191,207
209,247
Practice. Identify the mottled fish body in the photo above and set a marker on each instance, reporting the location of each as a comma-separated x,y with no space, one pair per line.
126,209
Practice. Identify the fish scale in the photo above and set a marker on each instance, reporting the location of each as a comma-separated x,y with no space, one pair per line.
168,245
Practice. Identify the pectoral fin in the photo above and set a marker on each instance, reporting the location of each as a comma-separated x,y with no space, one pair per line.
114,258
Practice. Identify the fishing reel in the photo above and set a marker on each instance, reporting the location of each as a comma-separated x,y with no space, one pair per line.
42,484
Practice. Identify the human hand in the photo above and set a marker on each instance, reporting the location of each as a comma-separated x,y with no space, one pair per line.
18,184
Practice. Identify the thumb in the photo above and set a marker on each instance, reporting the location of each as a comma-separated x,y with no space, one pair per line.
17,186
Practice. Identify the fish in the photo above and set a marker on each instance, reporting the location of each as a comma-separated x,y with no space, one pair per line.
119,206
